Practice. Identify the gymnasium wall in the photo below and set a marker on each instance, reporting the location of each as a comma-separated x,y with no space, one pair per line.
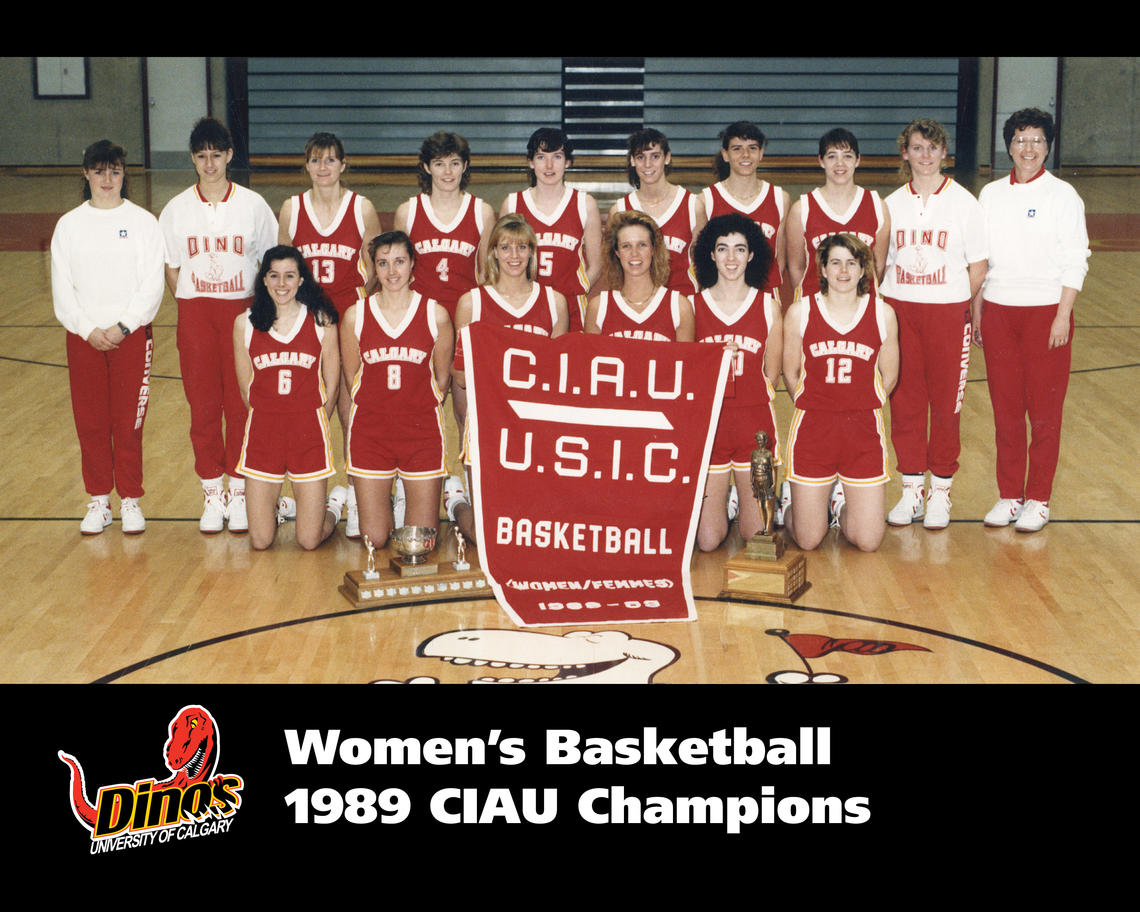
1100,108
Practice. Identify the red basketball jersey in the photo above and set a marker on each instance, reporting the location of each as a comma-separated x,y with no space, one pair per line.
396,373
839,365
537,315
286,366
657,322
561,258
677,227
445,254
333,253
767,211
748,328
863,219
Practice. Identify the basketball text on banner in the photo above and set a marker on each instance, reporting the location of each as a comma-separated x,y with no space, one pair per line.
588,461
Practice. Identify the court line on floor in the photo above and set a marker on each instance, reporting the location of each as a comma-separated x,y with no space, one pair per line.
349,612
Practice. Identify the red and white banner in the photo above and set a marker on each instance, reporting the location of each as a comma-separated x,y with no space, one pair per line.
588,461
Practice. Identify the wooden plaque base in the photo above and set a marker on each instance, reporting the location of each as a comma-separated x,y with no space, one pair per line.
425,568
779,578
392,590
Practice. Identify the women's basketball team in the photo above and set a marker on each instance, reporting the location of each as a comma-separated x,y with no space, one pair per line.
285,320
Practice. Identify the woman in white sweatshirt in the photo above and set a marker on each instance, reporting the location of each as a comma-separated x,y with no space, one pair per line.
106,278
1023,317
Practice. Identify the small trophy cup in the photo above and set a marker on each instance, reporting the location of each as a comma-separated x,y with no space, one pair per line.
764,570
413,544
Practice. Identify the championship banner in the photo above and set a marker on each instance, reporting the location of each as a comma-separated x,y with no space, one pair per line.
588,461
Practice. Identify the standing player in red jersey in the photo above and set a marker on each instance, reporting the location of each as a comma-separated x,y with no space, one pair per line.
641,305
396,349
740,189
841,361
839,206
679,213
511,298
287,359
448,228
330,225
732,259
215,235
566,222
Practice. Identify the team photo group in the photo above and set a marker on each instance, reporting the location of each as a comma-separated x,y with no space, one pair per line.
287,319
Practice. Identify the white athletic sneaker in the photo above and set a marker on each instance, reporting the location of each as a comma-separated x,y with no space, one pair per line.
236,517
938,505
910,506
1033,517
338,497
733,503
1003,513
286,509
838,500
352,519
453,495
785,502
131,516
98,516
399,503
214,510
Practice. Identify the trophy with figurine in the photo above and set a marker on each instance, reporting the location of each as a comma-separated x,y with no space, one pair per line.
765,569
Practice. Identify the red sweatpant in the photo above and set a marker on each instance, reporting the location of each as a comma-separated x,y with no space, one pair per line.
110,392
1025,377
209,379
934,354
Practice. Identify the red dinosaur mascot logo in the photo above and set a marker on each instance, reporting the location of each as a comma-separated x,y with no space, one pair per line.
193,793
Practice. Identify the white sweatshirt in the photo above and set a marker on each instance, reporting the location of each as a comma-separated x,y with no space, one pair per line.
1037,238
106,268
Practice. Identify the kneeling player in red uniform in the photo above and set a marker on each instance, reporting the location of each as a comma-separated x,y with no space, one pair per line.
512,298
841,361
288,366
733,260
396,347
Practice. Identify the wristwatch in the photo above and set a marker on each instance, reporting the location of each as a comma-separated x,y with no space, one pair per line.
123,329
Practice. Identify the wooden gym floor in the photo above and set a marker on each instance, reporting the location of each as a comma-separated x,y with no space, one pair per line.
175,606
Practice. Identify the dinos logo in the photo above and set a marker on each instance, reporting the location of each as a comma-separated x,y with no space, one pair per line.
193,802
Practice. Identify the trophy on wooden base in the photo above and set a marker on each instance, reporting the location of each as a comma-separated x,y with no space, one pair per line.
763,569
413,544
410,577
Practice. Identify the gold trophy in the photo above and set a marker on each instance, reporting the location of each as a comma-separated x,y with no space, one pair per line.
763,569
410,577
